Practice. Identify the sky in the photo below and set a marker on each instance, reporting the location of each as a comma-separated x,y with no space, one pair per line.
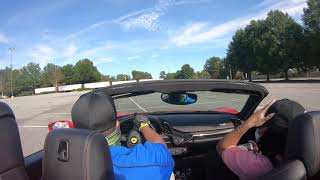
124,35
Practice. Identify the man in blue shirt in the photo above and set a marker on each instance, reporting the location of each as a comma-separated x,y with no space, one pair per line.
151,160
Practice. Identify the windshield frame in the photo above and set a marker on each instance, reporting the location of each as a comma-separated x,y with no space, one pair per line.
256,92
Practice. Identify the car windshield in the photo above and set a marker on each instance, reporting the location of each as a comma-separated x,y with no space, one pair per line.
207,101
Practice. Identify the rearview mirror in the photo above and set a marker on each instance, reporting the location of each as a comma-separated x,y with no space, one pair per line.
179,98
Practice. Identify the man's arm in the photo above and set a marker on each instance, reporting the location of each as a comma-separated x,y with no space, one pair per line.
151,135
143,124
256,120
232,138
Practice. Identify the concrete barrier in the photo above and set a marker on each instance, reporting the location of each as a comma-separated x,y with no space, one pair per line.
44,90
123,82
149,80
69,87
96,85
87,86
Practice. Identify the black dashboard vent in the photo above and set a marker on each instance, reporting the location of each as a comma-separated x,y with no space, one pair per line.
126,127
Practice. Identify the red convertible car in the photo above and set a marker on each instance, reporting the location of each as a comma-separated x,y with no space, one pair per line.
191,116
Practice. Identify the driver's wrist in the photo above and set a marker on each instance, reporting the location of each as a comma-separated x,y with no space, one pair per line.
143,125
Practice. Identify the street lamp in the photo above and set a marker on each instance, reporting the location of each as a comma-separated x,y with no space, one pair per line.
11,49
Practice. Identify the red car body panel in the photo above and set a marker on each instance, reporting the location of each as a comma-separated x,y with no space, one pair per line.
227,110
69,123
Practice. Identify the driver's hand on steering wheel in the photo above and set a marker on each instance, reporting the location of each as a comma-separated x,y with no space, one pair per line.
141,121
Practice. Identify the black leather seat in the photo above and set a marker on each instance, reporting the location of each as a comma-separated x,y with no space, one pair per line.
11,156
302,158
76,154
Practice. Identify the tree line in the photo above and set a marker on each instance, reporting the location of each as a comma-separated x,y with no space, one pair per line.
269,46
277,44
32,76
214,68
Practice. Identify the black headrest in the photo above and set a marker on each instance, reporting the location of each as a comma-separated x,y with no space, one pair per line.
94,111
11,156
285,111
76,154
304,141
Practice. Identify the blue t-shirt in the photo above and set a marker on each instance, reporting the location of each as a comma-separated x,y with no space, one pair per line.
144,161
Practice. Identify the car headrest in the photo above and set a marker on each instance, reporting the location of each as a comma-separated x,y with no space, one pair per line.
94,111
11,156
76,154
304,141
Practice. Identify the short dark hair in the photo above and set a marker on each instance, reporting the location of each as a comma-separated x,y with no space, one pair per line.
273,143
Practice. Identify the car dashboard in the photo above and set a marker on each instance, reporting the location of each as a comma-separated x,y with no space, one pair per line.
182,131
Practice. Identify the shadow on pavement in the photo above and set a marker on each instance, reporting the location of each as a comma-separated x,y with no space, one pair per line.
287,81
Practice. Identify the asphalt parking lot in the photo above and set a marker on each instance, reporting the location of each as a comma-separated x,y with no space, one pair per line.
206,101
33,113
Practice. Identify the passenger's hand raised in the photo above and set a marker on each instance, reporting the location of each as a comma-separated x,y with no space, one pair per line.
260,117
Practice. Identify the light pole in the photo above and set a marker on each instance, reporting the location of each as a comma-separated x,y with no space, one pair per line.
11,81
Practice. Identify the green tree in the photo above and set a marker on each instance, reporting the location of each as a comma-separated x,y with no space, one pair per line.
162,74
21,84
53,74
214,67
86,72
137,75
68,73
269,46
202,75
108,78
123,77
311,19
239,53
225,69
284,39
31,76
169,76
5,81
186,72
260,45
2,88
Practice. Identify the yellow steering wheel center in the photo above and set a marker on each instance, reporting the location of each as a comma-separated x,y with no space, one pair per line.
134,140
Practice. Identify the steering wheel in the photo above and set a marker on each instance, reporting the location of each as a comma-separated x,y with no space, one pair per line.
131,136
134,138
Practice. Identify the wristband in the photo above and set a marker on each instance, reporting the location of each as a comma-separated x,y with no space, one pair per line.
143,125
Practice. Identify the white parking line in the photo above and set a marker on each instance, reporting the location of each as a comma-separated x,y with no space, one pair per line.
32,126
138,105
57,113
125,110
